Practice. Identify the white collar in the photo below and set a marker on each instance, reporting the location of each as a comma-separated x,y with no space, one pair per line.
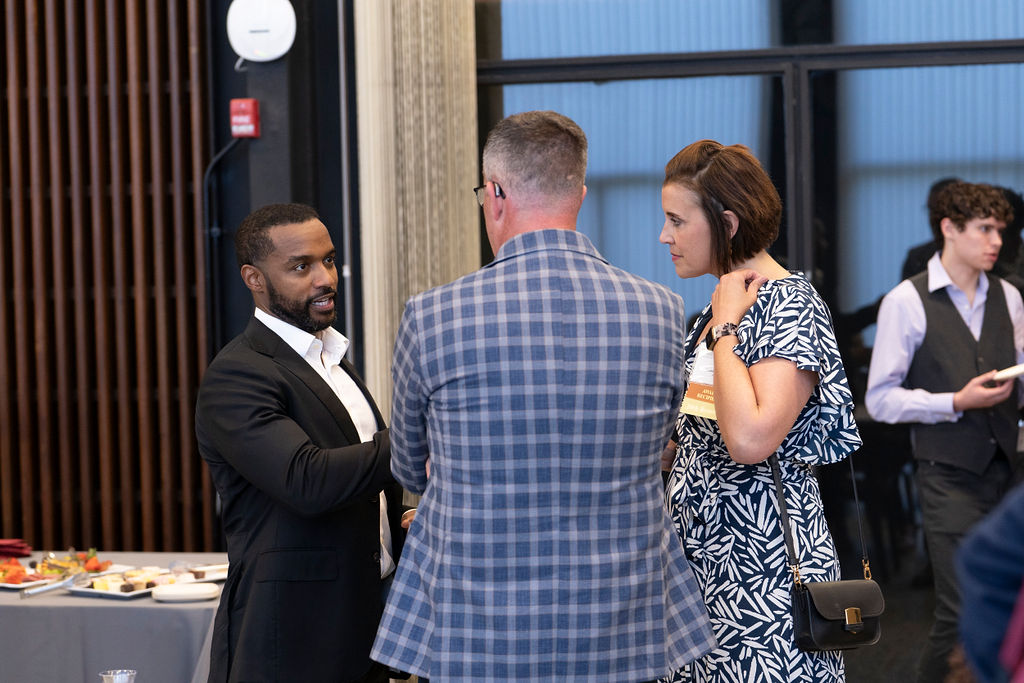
333,343
938,277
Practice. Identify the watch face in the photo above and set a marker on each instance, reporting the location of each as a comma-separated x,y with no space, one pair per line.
261,30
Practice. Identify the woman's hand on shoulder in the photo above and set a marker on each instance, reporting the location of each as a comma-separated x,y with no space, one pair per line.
735,294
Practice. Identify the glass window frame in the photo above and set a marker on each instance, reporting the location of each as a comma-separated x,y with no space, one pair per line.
796,66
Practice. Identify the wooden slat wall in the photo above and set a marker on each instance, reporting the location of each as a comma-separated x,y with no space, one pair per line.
102,336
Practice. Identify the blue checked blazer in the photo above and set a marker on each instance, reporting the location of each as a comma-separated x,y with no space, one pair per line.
542,388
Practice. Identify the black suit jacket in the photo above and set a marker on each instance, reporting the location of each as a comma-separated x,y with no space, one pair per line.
300,510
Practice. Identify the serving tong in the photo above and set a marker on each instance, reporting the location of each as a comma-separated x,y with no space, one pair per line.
69,578
66,580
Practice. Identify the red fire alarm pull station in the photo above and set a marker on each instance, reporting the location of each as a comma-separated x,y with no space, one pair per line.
245,118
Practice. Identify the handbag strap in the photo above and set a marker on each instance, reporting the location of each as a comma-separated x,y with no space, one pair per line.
688,350
698,325
794,564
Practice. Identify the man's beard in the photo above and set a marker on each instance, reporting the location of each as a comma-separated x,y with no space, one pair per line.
299,313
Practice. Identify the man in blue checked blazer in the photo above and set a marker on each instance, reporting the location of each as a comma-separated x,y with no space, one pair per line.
532,399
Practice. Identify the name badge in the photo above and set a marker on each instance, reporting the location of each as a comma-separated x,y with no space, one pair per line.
699,399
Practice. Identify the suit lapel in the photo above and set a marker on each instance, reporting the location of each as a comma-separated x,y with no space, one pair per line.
263,340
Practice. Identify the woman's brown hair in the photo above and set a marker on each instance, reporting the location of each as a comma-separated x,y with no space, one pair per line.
729,178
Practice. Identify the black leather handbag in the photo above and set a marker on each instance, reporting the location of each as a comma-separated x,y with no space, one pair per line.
831,615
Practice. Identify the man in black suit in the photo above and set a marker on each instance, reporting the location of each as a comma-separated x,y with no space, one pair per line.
300,457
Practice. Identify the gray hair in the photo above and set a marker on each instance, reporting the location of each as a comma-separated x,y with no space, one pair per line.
537,154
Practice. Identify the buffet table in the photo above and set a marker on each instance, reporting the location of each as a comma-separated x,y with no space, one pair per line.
60,636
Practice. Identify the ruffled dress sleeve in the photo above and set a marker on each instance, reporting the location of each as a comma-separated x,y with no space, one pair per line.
791,321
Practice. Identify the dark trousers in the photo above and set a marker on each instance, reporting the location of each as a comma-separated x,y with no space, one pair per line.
952,501
376,674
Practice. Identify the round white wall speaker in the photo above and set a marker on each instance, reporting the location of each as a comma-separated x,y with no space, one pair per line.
261,30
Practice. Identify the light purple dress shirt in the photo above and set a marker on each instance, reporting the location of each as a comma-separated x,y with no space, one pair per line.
901,328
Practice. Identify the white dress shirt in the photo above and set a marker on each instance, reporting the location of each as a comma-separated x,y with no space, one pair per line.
900,332
324,351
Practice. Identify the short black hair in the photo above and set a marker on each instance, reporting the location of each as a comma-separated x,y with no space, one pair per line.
252,244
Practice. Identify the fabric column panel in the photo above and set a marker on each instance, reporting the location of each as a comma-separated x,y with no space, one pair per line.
57,276
197,124
139,275
99,222
83,416
21,332
180,430
157,327
6,410
122,430
39,281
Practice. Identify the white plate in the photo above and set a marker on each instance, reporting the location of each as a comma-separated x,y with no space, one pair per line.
186,592
212,572
115,595
1009,373
29,584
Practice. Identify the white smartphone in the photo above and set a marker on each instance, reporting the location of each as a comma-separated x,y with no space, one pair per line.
1009,373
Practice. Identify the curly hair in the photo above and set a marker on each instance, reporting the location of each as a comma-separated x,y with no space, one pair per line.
729,178
961,202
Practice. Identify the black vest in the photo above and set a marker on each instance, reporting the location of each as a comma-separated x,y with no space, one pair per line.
949,356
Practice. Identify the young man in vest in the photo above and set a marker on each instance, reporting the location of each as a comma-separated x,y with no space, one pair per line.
942,335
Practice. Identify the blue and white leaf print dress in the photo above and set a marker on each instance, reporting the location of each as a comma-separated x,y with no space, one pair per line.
727,513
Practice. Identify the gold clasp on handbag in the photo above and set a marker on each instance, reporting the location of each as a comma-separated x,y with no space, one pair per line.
854,624
867,568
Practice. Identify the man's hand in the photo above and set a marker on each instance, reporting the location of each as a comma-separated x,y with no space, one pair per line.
407,517
982,392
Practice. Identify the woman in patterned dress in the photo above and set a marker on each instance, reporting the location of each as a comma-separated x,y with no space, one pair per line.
764,376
